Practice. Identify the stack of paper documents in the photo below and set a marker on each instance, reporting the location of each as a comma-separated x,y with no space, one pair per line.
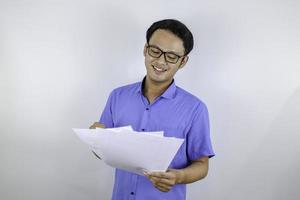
129,150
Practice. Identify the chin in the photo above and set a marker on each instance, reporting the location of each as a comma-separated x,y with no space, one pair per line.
158,79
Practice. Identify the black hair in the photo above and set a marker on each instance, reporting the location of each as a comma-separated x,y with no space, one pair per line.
176,27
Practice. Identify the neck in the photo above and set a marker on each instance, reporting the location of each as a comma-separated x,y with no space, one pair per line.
152,89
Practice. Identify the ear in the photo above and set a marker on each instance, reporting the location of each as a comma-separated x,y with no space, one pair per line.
183,62
145,50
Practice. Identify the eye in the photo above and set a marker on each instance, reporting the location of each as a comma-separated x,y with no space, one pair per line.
171,56
154,50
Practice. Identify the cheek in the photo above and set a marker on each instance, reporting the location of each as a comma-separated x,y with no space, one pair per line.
149,61
173,69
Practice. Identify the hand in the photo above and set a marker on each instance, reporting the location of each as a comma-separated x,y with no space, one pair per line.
164,181
97,125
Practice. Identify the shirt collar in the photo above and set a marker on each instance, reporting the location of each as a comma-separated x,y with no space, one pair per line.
168,94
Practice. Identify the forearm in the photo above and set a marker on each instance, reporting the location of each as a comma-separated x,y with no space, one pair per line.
194,172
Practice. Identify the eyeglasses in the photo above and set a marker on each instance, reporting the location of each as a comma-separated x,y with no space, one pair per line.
156,52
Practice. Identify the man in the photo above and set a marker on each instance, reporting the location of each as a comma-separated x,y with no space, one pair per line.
157,104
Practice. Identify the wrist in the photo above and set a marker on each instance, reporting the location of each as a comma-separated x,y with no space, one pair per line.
179,176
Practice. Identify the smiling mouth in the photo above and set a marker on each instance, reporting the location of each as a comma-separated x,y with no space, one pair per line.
159,69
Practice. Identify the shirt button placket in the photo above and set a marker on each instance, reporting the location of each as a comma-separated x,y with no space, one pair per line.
134,179
145,119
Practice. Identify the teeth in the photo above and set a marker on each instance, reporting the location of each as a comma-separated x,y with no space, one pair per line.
158,69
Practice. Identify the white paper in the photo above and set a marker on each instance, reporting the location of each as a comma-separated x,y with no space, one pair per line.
129,150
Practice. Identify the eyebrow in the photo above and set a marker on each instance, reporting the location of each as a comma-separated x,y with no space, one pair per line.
176,53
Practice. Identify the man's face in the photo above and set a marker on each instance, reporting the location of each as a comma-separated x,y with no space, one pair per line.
158,69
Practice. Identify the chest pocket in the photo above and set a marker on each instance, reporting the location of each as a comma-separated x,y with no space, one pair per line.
171,127
173,131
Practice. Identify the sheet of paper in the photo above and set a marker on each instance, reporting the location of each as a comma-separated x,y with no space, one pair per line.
119,129
129,150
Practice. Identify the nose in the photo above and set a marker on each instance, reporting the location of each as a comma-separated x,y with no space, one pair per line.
162,60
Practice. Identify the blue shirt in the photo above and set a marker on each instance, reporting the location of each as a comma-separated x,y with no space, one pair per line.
177,113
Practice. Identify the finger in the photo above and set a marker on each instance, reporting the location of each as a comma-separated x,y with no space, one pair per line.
162,187
160,174
169,176
100,125
93,126
169,182
146,174
97,125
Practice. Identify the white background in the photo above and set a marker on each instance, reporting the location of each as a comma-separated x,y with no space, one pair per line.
60,59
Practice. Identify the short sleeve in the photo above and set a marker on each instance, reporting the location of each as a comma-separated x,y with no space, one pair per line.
198,137
107,114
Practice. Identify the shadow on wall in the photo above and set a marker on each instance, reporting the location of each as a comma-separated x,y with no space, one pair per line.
272,172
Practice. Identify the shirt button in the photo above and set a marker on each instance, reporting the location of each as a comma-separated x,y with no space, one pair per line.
147,108
132,193
143,129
